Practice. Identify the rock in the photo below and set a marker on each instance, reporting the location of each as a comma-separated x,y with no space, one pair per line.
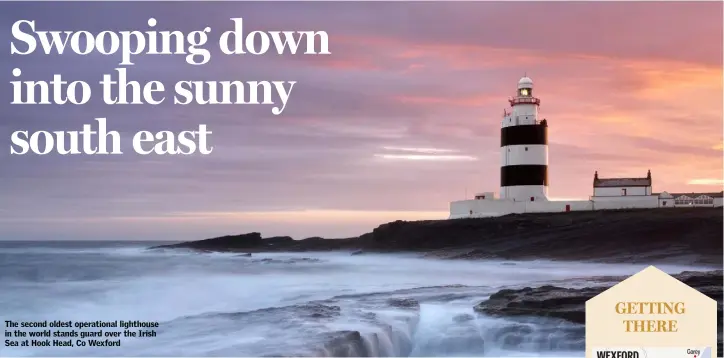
248,254
545,301
648,236
463,318
278,240
569,304
224,243
708,283
321,311
313,239
344,344
288,261
403,303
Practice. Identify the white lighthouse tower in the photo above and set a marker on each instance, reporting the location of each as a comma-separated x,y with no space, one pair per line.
524,148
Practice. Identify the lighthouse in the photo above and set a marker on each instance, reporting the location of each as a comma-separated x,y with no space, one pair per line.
524,148
524,175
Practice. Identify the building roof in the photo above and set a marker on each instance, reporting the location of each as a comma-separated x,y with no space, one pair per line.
693,195
525,82
621,182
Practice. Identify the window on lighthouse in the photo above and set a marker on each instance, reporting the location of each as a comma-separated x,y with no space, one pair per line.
524,92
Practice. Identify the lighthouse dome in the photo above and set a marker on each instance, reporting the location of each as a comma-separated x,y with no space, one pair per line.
525,82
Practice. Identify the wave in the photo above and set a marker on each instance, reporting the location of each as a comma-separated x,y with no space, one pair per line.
300,304
391,324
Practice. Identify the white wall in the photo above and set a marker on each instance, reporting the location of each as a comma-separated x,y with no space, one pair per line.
632,190
557,206
535,154
625,202
488,195
521,116
489,208
526,113
522,193
481,208
669,202
717,203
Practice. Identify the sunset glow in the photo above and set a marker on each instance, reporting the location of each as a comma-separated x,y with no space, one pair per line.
401,119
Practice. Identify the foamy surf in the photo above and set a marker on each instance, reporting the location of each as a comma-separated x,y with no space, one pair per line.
283,304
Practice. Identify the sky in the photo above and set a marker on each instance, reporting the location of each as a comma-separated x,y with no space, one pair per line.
402,118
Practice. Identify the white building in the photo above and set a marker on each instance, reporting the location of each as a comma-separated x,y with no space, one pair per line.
673,200
623,193
618,187
524,174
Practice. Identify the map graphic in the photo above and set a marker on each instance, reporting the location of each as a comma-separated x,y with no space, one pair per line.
653,352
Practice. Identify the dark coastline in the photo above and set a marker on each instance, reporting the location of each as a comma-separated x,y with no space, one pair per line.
682,235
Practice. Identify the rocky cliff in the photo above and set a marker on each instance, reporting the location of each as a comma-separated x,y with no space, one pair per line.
686,235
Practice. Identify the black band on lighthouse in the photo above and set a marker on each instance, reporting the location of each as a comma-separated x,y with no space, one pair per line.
531,134
515,175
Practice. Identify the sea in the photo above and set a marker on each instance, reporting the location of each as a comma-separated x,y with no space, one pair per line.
283,304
